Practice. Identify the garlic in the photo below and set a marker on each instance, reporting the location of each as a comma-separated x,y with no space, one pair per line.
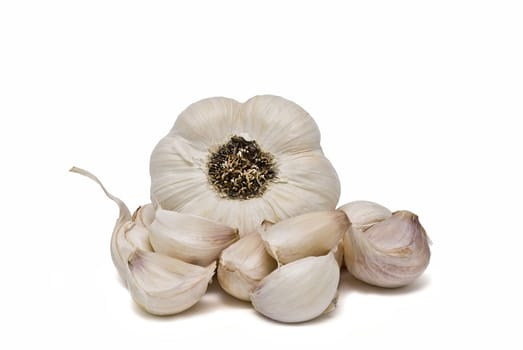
382,249
242,266
190,238
314,233
242,163
165,286
364,214
248,184
129,232
160,284
130,236
298,291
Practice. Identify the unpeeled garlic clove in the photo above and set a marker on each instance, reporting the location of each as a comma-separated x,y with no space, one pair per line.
385,251
298,291
311,234
144,215
160,284
136,231
129,233
191,238
364,214
243,265
165,286
128,237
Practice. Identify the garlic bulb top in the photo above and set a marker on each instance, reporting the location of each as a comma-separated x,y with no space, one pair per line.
241,164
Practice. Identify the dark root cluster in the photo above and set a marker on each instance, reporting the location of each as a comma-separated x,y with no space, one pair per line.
239,169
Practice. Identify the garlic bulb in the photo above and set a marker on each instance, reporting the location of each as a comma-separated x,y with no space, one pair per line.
298,291
243,265
382,248
311,234
241,164
190,238
165,286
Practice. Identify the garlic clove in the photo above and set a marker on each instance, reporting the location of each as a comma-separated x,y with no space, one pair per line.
332,305
165,286
160,284
243,265
311,234
130,232
363,214
298,291
389,253
136,232
127,238
191,238
144,215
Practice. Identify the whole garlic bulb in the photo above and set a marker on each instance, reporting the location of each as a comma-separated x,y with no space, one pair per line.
243,163
382,248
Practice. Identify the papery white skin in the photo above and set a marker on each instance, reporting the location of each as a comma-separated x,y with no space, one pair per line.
306,180
191,238
310,234
243,265
299,291
385,250
165,286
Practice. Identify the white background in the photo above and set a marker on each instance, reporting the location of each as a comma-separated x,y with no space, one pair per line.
419,104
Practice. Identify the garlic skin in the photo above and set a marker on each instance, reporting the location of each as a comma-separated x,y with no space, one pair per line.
193,239
162,285
299,291
311,234
299,177
385,251
243,265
